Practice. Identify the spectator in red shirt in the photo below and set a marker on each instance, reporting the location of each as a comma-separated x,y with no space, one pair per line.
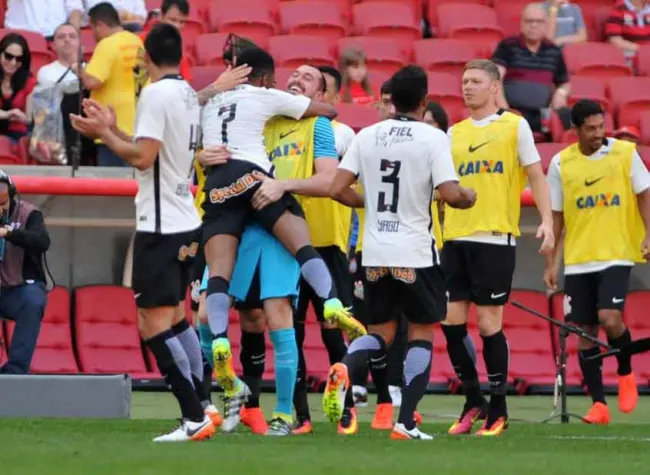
174,12
17,84
354,73
628,25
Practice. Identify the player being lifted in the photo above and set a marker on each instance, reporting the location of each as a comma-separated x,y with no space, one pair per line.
493,152
399,162
600,190
236,119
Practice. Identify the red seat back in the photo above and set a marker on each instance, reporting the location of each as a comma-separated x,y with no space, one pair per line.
54,353
106,330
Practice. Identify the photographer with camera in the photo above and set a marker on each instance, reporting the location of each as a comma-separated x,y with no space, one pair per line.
23,242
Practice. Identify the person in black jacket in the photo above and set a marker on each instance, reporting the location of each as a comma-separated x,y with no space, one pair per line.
23,242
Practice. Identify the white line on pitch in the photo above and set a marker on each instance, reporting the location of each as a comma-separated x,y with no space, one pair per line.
595,437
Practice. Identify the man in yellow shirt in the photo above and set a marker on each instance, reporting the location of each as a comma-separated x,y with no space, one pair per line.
600,192
109,74
493,153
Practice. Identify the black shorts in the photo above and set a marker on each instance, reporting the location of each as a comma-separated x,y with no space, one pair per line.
339,267
229,189
419,294
197,271
585,294
478,272
161,267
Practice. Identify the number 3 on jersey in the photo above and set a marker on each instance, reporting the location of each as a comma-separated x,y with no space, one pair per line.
392,178
228,113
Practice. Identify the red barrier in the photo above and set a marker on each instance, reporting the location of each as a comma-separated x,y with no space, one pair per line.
50,185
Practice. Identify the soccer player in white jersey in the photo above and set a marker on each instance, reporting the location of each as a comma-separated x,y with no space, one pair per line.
166,133
236,119
399,162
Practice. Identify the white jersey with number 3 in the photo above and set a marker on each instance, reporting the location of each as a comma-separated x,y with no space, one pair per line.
236,119
168,111
399,163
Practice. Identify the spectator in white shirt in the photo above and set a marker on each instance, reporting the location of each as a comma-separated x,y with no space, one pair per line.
43,17
133,13
66,45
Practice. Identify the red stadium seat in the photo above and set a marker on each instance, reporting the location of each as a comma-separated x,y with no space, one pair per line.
387,20
585,87
282,76
600,60
547,151
534,367
570,136
88,43
357,116
644,127
315,18
509,16
54,352
8,153
644,151
382,53
470,21
444,55
630,96
203,76
431,10
530,339
214,8
377,79
313,339
596,22
245,18
318,363
416,6
514,317
208,49
445,89
4,348
291,51
106,332
643,60
636,309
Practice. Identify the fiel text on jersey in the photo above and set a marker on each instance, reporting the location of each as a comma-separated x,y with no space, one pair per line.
480,166
395,135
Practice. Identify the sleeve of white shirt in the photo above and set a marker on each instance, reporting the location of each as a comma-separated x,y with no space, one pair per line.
351,160
343,136
151,115
72,5
139,8
283,103
526,148
639,174
554,180
442,163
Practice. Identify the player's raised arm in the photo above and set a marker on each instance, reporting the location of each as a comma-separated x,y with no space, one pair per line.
320,109
346,175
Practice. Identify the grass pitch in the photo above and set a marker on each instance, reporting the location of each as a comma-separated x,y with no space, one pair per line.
97,447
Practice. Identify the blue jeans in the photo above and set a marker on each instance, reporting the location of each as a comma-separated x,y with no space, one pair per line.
25,305
107,158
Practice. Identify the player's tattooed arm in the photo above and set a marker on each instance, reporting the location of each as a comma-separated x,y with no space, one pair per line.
342,190
230,78
456,196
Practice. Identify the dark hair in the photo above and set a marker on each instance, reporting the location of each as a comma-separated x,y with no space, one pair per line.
181,5
439,115
22,74
106,13
584,109
322,84
164,45
385,88
332,71
235,46
260,61
409,87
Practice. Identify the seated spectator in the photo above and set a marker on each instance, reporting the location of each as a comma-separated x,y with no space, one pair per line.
565,22
17,84
66,46
133,13
629,133
435,115
354,72
109,74
628,25
42,16
533,71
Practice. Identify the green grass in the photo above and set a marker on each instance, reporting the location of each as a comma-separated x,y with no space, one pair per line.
94,447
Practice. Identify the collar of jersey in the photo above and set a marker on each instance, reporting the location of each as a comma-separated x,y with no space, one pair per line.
172,76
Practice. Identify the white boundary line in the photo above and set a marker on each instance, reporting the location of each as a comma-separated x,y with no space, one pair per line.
595,437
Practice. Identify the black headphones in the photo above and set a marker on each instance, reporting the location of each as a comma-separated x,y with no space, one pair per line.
4,178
